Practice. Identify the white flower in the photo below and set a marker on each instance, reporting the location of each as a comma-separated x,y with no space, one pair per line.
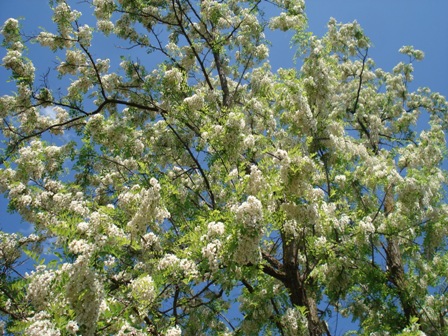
340,179
195,102
174,331
217,129
47,39
9,250
143,290
84,292
105,26
215,229
80,246
290,227
250,213
39,289
10,30
295,323
366,225
261,51
249,141
256,180
41,325
177,266
168,261
72,327
174,78
85,35
409,50
281,155
150,241
211,251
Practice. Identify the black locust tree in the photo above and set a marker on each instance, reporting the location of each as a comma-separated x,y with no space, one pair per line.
182,186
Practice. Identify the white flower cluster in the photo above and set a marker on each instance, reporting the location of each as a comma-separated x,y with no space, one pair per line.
150,242
84,292
47,39
10,31
143,291
286,22
84,34
74,61
41,325
30,159
297,174
415,54
256,180
81,246
195,102
64,16
103,9
281,155
249,142
290,228
174,331
174,78
144,205
347,36
340,179
293,19
21,68
39,289
9,252
127,330
250,214
6,104
105,26
213,239
211,253
366,225
178,267
235,122
295,323
215,229
72,327
342,222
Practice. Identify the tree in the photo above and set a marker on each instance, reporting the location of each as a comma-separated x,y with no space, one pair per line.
206,186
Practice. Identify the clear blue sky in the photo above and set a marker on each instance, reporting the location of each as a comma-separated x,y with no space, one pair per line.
390,24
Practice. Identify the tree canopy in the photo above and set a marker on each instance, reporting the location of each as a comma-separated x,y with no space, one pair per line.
187,188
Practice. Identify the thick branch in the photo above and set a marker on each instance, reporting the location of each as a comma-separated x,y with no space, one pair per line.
396,274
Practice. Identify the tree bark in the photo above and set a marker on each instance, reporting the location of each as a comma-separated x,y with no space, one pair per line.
394,261
297,284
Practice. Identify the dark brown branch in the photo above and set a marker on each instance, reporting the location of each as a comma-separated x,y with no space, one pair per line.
190,43
198,166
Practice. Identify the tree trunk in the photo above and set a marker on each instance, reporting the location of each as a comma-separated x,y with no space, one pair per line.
396,274
297,286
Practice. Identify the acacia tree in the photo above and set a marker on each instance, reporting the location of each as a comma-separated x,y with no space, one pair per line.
206,186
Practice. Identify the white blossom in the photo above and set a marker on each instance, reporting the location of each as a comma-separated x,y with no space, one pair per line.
194,102
143,290
42,325
174,331
72,327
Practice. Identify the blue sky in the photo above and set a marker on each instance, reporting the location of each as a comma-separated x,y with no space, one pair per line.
390,24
